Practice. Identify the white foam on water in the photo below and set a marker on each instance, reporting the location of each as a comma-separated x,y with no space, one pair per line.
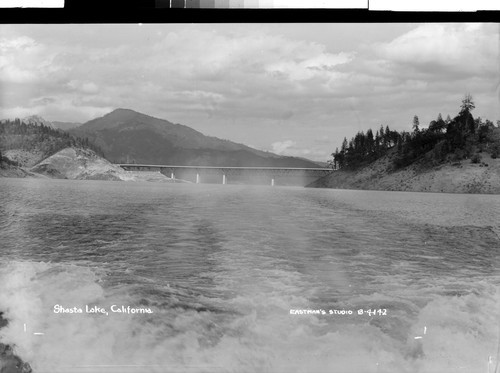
28,294
257,333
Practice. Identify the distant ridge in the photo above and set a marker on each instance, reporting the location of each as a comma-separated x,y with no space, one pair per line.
64,125
127,136
37,120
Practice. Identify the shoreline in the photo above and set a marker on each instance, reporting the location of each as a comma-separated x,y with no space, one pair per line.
462,177
458,178
343,188
406,191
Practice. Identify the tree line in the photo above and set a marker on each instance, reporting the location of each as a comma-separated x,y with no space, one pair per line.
443,140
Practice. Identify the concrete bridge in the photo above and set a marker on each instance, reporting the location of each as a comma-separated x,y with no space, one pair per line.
237,175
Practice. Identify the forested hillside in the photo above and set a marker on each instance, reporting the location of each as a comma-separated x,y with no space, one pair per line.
449,140
25,144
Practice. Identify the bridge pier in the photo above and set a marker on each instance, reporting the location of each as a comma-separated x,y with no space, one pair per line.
224,181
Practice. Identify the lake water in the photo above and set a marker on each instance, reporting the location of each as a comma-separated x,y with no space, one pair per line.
225,269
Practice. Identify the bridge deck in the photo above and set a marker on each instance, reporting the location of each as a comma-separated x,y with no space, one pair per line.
324,169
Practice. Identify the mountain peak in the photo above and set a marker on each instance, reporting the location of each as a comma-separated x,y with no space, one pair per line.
125,134
122,110
122,115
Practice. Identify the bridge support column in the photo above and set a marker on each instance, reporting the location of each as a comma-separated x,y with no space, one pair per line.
197,178
272,181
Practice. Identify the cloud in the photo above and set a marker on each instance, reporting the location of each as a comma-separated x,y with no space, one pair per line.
17,43
280,147
15,74
83,87
23,60
293,149
42,101
212,73
252,84
446,49
61,110
320,65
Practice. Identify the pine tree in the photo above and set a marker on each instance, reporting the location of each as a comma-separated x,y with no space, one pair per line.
370,140
400,145
416,124
336,156
344,145
467,104
387,135
377,143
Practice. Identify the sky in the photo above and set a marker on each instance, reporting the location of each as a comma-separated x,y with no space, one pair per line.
293,89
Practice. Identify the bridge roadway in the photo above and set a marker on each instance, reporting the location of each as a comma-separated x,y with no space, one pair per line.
272,172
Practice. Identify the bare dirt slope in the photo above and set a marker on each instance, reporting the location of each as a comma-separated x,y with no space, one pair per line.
458,177
84,164
24,157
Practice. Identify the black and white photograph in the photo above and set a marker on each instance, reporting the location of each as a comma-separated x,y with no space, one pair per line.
250,197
